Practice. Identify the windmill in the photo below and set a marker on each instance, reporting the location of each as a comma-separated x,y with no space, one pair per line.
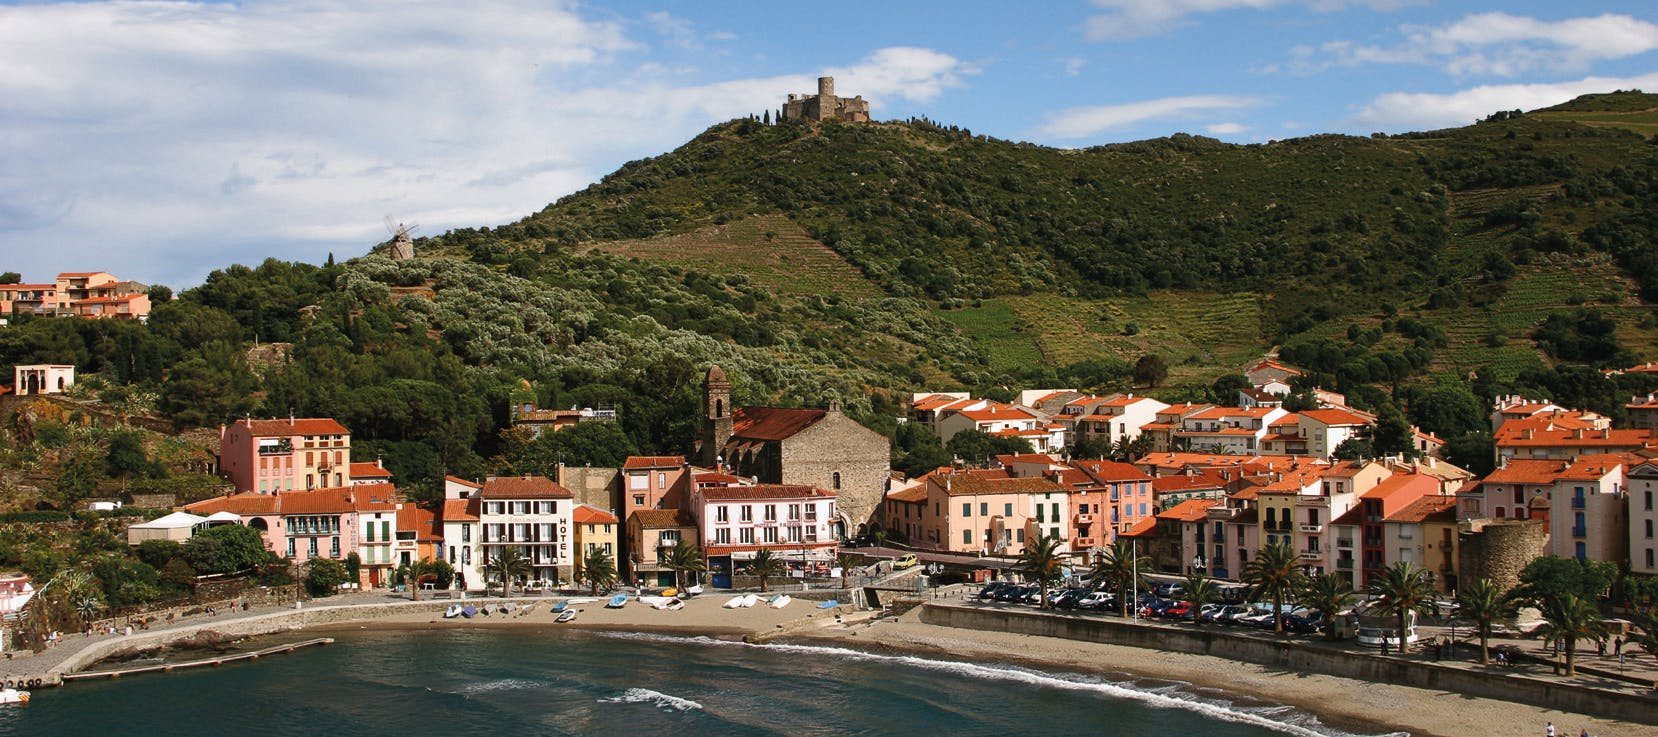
402,239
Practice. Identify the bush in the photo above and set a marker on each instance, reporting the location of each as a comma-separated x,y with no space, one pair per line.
323,576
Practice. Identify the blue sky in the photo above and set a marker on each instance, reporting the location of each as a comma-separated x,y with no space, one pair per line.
161,140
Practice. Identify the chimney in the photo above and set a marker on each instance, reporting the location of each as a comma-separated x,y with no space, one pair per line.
377,463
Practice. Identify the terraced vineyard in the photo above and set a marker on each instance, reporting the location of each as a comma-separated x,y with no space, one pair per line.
771,249
1644,122
1006,339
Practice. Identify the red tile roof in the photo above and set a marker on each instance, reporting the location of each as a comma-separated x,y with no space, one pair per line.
970,484
653,462
366,470
763,491
426,525
1181,482
1334,417
772,423
585,514
914,494
1191,510
290,428
246,504
1111,471
462,482
523,487
1428,508
657,519
460,510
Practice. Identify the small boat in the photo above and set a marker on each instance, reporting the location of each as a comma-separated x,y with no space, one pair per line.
673,605
508,608
735,602
580,601
617,602
670,592
13,696
560,607
655,602
452,612
694,590
526,611
568,615
750,600
468,610
830,604
780,601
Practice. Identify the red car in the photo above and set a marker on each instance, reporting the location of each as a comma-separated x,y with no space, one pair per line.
1180,610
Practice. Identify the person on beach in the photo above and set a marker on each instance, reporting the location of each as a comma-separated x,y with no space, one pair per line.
1549,730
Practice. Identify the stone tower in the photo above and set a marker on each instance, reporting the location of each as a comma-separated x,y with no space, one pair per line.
716,423
825,105
826,88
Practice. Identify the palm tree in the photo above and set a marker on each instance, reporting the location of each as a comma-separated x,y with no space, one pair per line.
598,569
1568,618
88,607
846,561
1120,568
685,556
413,572
1042,560
1328,593
765,565
1646,621
1276,574
1200,590
1404,589
1484,603
507,564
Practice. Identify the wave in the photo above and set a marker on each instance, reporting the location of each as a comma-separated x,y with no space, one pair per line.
1282,719
505,684
647,696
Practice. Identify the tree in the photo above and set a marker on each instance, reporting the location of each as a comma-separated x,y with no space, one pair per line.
1150,370
354,567
975,446
1485,604
1391,435
126,455
1552,576
412,572
11,277
598,570
178,577
157,553
764,566
508,563
1275,573
1042,561
685,557
1329,594
1353,449
323,576
1200,590
225,549
1568,618
1119,568
1404,590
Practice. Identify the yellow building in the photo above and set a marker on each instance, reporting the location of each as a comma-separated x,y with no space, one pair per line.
595,529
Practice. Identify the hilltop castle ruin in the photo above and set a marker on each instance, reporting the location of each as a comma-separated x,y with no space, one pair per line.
826,106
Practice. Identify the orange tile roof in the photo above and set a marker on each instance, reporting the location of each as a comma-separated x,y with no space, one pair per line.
1334,417
653,462
1182,482
1146,527
970,484
934,401
1525,471
1111,471
912,495
657,519
1426,509
772,423
522,487
587,514
763,491
997,412
367,470
426,525
290,428
460,510
246,504
1404,484
1191,510
1042,458
462,482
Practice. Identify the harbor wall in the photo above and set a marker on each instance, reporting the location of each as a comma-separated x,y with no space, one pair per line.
1302,657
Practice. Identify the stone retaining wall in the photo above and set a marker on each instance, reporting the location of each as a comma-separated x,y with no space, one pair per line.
1303,657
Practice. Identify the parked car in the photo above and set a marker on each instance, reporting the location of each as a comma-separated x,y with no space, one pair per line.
859,541
907,560
1097,600
993,588
1305,621
1255,618
1068,598
1169,589
1156,607
1177,610
1227,613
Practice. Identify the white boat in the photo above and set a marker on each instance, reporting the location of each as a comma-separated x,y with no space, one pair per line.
568,615
655,602
452,612
735,602
579,601
13,696
750,600
780,601
694,590
673,606
508,608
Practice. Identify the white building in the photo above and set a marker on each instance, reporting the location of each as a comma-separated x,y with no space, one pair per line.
42,379
531,513
461,532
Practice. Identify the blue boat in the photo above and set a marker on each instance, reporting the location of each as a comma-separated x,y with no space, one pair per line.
561,606
468,610
830,604
617,602
452,612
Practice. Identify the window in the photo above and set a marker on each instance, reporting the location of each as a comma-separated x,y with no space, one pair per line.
722,514
746,513
1007,509
966,509
638,500
544,507
312,548
984,508
1021,535
638,481
1649,501
811,512
290,547
1649,529
835,480
334,547
770,535
967,539
771,512
1582,551
385,530
1054,508
661,479
794,512
722,536
1039,518
746,536
466,533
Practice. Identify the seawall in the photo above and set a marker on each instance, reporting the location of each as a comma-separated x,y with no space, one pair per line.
1301,657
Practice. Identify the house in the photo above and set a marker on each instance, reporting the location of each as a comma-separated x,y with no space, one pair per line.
1326,429
651,534
1588,509
655,482
1005,420
1182,534
794,521
1227,430
419,534
929,407
1167,421
34,299
997,513
42,379
1112,420
1641,481
268,456
1567,435
903,512
98,294
1425,533
369,473
319,523
532,514
1268,370
798,447
461,532
1169,491
1516,407
1121,495
596,530
1642,412
538,420
1365,525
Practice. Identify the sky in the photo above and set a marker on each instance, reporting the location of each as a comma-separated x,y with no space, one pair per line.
162,140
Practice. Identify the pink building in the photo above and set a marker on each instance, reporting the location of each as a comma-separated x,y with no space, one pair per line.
35,299
795,521
989,512
267,456
322,523
654,482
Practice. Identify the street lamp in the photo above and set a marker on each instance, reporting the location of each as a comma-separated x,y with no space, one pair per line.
1198,563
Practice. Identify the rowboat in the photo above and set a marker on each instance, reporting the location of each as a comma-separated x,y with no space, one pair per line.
13,696
670,591
735,602
452,612
568,615
779,601
830,604
468,610
560,607
617,602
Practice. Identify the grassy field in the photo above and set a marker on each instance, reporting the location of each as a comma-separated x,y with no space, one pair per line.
771,249
1644,122
1006,339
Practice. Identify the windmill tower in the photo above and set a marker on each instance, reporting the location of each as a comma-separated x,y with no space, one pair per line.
402,239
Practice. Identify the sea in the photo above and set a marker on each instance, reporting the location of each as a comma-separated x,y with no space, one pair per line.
411,683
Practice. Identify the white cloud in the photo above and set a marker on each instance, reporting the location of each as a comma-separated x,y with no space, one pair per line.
1499,44
165,139
1081,122
1401,111
1127,19
1226,129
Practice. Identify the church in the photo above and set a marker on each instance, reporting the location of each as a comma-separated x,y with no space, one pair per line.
816,447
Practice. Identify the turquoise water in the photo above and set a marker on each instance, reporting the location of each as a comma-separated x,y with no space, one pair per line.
471,682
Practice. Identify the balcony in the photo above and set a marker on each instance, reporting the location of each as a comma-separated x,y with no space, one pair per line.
1312,555
1345,564
1313,529
1344,542
1084,519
